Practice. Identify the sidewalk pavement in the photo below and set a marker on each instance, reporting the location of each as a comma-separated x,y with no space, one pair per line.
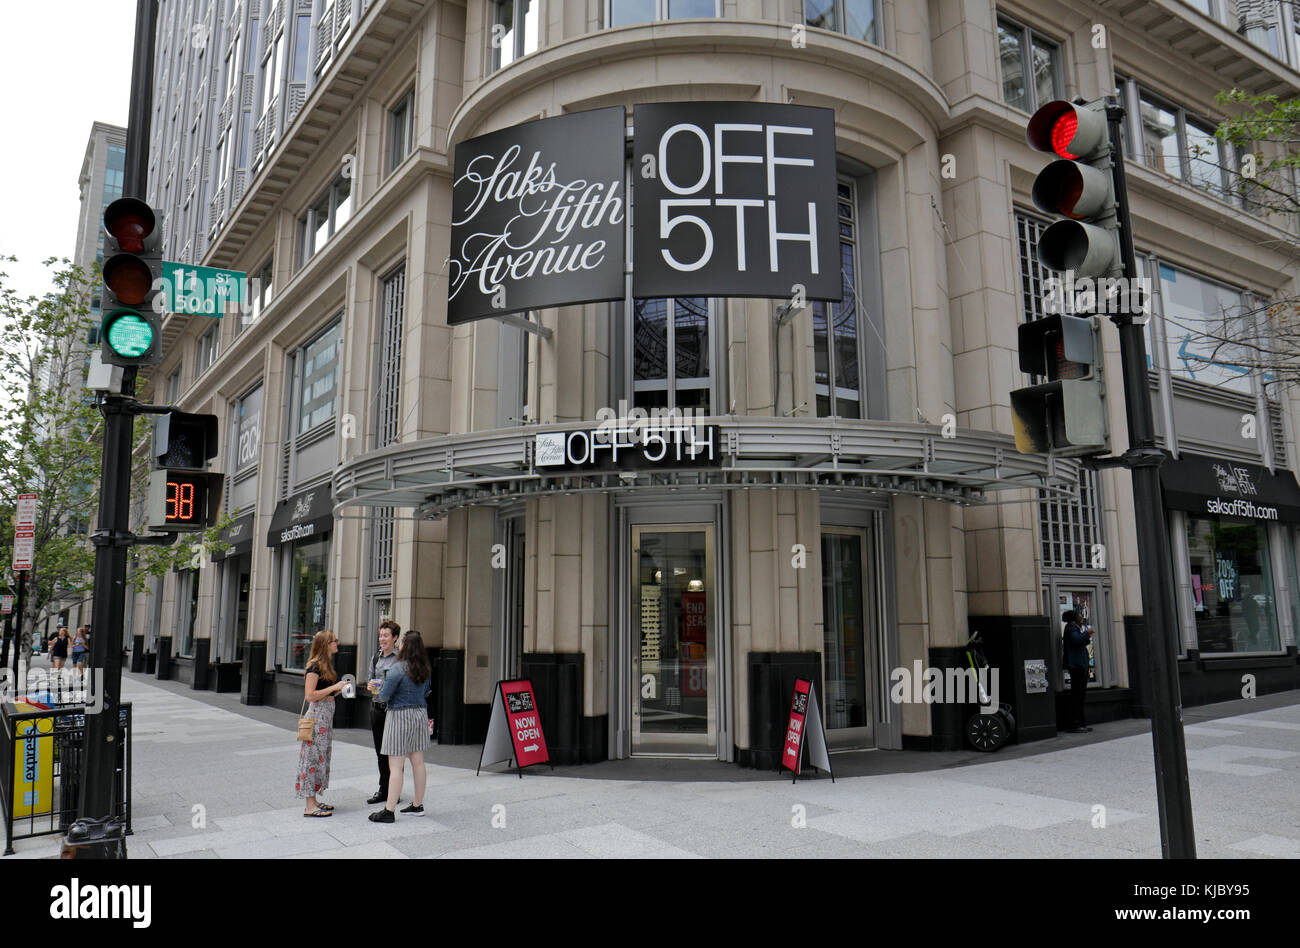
214,778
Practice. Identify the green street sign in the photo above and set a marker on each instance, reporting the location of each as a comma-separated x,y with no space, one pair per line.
202,291
129,333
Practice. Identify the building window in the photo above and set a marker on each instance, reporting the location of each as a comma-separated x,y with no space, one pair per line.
209,345
856,18
325,216
835,327
308,597
1184,147
173,387
630,12
319,361
272,72
301,48
516,28
388,387
114,173
1200,319
1031,66
1232,585
232,67
388,373
670,353
248,431
187,602
259,291
401,123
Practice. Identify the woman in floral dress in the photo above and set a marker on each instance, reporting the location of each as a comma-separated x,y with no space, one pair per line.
321,686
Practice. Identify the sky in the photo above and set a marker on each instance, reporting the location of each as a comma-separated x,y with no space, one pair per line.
63,66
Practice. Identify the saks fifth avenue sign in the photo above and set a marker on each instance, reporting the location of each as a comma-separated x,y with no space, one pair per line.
537,216
734,199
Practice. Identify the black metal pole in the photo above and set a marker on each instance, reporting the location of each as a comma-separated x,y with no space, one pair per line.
112,536
18,622
1160,617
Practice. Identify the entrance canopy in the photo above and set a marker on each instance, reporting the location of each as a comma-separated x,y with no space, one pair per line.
438,475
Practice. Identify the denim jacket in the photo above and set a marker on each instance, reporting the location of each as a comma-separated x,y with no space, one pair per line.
399,691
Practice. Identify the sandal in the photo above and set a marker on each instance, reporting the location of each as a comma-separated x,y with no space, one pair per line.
319,812
327,807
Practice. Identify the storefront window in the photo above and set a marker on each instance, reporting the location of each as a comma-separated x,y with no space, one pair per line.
308,591
189,604
1232,585
1293,579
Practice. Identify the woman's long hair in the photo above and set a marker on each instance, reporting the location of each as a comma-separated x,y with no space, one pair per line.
320,654
415,658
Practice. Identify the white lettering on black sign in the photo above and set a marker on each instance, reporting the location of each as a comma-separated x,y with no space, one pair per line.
537,216
622,448
743,202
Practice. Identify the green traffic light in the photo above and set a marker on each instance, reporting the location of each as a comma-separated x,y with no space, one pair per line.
129,334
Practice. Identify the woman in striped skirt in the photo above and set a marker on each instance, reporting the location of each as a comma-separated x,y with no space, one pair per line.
406,728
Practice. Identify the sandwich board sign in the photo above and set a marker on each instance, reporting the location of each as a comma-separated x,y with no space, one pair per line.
805,737
514,731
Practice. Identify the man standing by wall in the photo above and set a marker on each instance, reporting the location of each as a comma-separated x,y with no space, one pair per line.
384,659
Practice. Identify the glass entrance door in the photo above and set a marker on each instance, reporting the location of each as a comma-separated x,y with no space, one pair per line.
1083,600
673,608
848,617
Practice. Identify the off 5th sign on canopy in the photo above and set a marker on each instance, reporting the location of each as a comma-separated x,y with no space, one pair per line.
733,198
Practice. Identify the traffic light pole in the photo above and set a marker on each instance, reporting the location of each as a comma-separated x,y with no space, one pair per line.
1143,458
112,539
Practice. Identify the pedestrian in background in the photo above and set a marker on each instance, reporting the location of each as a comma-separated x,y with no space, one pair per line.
406,730
319,689
380,662
59,648
80,648
1075,660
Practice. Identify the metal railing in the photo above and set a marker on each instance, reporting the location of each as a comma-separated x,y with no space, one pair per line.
41,753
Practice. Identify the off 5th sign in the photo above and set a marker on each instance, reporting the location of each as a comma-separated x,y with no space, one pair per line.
734,199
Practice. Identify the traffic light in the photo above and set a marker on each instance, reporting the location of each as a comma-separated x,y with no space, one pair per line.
1066,414
1078,186
183,495
131,332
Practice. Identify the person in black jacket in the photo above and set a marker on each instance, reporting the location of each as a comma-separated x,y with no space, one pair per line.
1075,661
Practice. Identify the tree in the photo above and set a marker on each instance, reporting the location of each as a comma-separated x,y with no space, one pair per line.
53,434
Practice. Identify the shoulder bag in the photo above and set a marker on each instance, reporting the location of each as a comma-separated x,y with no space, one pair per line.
306,725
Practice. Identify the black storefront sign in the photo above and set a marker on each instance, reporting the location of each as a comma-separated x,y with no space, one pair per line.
624,449
537,216
1218,487
309,514
238,536
734,199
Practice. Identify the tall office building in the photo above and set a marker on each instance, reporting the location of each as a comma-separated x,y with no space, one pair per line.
382,461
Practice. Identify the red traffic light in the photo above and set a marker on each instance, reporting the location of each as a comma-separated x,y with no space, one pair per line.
1063,133
1068,130
129,278
131,223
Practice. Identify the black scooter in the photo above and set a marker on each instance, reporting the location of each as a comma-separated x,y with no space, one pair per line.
986,731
